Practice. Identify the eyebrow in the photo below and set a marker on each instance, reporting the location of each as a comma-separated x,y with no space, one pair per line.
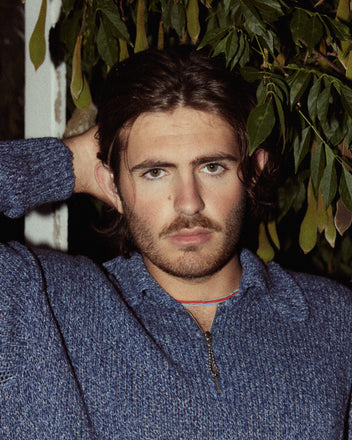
150,163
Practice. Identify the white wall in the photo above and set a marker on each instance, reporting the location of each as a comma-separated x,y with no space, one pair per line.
45,96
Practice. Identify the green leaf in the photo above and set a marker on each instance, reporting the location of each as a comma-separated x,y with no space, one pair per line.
166,6
231,46
306,27
239,53
251,74
281,115
261,92
281,85
313,99
260,124
309,226
253,21
343,217
300,197
335,129
77,77
346,98
298,85
321,213
141,42
84,99
123,52
339,30
328,183
37,45
314,33
193,25
178,17
265,251
345,188
106,43
301,146
223,18
323,103
220,47
111,12
268,38
212,36
229,5
245,54
270,10
330,231
273,233
277,91
299,23
348,136
317,167
343,10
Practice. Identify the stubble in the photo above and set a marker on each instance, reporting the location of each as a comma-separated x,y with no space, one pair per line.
188,262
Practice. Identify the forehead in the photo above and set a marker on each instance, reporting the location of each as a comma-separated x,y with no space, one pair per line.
181,132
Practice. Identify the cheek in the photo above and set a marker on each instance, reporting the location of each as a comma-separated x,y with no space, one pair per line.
152,200
152,211
226,200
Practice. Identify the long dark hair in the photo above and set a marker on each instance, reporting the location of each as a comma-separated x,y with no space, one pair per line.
154,81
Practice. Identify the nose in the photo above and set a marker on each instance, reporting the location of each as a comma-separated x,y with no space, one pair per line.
188,200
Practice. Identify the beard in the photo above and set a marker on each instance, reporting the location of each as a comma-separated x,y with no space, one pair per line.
191,262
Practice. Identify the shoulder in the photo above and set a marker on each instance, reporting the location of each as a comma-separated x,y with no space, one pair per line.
323,292
326,298
296,294
65,268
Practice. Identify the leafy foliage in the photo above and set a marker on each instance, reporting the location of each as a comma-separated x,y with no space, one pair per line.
297,54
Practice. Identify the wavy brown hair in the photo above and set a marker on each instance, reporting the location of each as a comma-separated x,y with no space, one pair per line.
154,81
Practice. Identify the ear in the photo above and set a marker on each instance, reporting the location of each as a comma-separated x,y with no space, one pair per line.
105,180
261,157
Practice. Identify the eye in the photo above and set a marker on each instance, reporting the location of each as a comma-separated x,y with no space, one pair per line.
214,168
155,173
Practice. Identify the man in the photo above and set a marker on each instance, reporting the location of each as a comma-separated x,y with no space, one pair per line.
190,337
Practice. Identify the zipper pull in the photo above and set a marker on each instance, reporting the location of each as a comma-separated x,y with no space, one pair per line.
212,365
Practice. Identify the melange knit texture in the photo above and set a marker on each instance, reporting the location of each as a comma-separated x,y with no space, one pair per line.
90,352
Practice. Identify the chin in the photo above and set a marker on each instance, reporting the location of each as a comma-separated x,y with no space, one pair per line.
192,265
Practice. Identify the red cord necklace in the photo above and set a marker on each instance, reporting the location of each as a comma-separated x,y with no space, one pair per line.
208,302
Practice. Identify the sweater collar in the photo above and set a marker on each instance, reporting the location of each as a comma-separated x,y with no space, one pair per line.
278,287
134,280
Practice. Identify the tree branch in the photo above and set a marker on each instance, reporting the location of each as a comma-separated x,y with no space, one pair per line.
323,57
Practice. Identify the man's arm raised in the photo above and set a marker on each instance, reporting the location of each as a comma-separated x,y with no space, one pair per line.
33,172
84,148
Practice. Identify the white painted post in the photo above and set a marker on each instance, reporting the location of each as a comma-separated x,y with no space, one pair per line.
45,101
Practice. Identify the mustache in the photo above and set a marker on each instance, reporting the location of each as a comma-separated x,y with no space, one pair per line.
188,223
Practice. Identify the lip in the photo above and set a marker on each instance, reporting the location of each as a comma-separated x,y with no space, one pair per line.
190,237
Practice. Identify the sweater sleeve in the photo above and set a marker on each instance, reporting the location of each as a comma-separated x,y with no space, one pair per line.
33,172
349,418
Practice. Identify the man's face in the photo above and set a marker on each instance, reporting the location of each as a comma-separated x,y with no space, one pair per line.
180,192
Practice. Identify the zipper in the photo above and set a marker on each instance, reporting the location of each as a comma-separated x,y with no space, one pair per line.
214,371
212,365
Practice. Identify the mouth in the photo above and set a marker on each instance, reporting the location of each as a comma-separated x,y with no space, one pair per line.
190,237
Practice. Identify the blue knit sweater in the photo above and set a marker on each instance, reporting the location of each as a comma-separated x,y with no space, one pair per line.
89,352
